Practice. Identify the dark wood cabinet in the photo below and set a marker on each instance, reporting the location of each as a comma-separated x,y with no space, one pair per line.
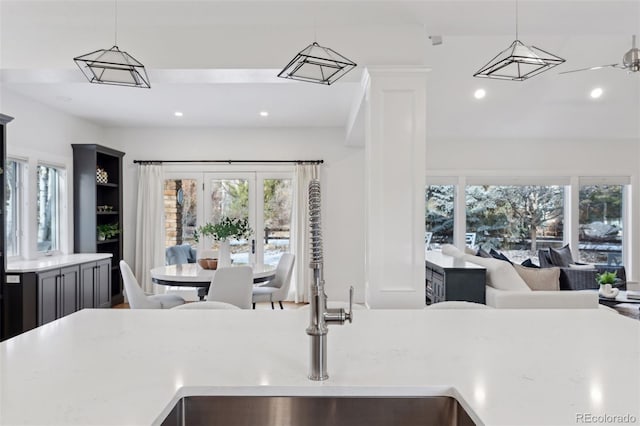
98,201
95,284
448,278
4,120
36,298
58,292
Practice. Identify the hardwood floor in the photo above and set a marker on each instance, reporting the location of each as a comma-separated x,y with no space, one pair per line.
265,305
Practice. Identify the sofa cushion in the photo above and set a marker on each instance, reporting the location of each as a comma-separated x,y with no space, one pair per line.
587,266
540,279
561,257
500,274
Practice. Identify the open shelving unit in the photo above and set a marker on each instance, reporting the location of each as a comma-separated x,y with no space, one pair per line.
89,193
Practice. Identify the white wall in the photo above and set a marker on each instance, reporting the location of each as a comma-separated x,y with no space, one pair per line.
40,133
343,177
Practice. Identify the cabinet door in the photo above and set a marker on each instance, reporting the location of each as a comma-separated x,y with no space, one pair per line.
68,291
47,296
87,285
103,284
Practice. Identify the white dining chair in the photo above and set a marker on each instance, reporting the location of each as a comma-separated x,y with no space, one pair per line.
233,285
136,297
207,305
277,289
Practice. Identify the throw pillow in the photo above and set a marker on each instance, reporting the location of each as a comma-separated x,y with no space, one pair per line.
540,279
500,274
483,253
561,257
499,255
529,264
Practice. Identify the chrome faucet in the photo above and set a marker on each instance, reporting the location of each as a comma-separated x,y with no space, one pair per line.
321,316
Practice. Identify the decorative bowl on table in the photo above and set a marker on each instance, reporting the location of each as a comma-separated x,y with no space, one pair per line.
208,263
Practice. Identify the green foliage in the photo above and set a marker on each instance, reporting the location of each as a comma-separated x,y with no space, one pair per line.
108,230
225,229
607,277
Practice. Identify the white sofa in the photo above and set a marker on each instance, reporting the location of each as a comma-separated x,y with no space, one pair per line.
506,289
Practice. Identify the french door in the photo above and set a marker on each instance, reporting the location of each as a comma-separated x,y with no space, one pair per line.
264,198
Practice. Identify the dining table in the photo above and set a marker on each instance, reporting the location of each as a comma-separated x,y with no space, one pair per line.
193,275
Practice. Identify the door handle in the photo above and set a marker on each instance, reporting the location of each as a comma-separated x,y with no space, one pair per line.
253,246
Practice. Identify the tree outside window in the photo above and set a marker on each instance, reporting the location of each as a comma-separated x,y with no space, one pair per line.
47,204
518,219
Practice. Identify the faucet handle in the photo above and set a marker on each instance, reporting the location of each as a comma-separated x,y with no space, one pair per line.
349,315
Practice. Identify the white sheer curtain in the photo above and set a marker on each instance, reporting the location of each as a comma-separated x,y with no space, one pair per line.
303,276
149,224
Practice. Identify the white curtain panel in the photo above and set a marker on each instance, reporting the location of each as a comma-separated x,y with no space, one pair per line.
302,276
149,225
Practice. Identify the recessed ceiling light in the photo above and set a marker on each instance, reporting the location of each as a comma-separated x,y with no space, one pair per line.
596,93
479,94
178,114
264,113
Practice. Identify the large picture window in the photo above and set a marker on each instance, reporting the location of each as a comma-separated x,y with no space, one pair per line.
48,208
515,219
601,224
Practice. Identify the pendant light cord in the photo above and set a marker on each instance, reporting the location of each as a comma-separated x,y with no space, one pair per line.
516,19
115,12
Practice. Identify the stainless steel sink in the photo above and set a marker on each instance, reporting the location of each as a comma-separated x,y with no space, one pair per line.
317,411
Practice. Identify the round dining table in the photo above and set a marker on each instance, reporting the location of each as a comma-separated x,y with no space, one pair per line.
192,275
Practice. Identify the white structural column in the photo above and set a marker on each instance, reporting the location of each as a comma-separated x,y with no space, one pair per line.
395,138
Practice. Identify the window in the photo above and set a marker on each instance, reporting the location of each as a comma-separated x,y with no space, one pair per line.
180,211
13,210
48,208
601,224
278,194
515,219
439,214
265,198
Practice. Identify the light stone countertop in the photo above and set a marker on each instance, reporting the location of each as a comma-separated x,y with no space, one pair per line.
508,367
51,262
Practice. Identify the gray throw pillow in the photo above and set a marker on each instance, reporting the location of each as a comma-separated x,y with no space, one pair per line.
561,257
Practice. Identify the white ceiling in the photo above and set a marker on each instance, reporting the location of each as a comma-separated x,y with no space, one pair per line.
216,62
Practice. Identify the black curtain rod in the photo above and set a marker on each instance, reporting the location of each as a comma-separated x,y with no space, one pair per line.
231,161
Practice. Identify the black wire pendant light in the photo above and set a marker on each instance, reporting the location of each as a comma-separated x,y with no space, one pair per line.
113,66
518,62
317,64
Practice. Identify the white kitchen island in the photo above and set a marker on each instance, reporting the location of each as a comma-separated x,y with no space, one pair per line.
507,367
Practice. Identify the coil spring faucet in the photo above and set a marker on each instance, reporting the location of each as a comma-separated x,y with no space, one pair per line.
321,316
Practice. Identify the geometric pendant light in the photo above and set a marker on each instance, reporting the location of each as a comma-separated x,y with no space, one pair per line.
518,62
113,66
317,64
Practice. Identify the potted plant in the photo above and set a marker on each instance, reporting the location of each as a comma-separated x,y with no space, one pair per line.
223,231
607,278
108,230
606,281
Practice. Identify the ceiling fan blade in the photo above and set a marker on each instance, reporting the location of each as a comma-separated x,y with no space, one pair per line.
592,68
